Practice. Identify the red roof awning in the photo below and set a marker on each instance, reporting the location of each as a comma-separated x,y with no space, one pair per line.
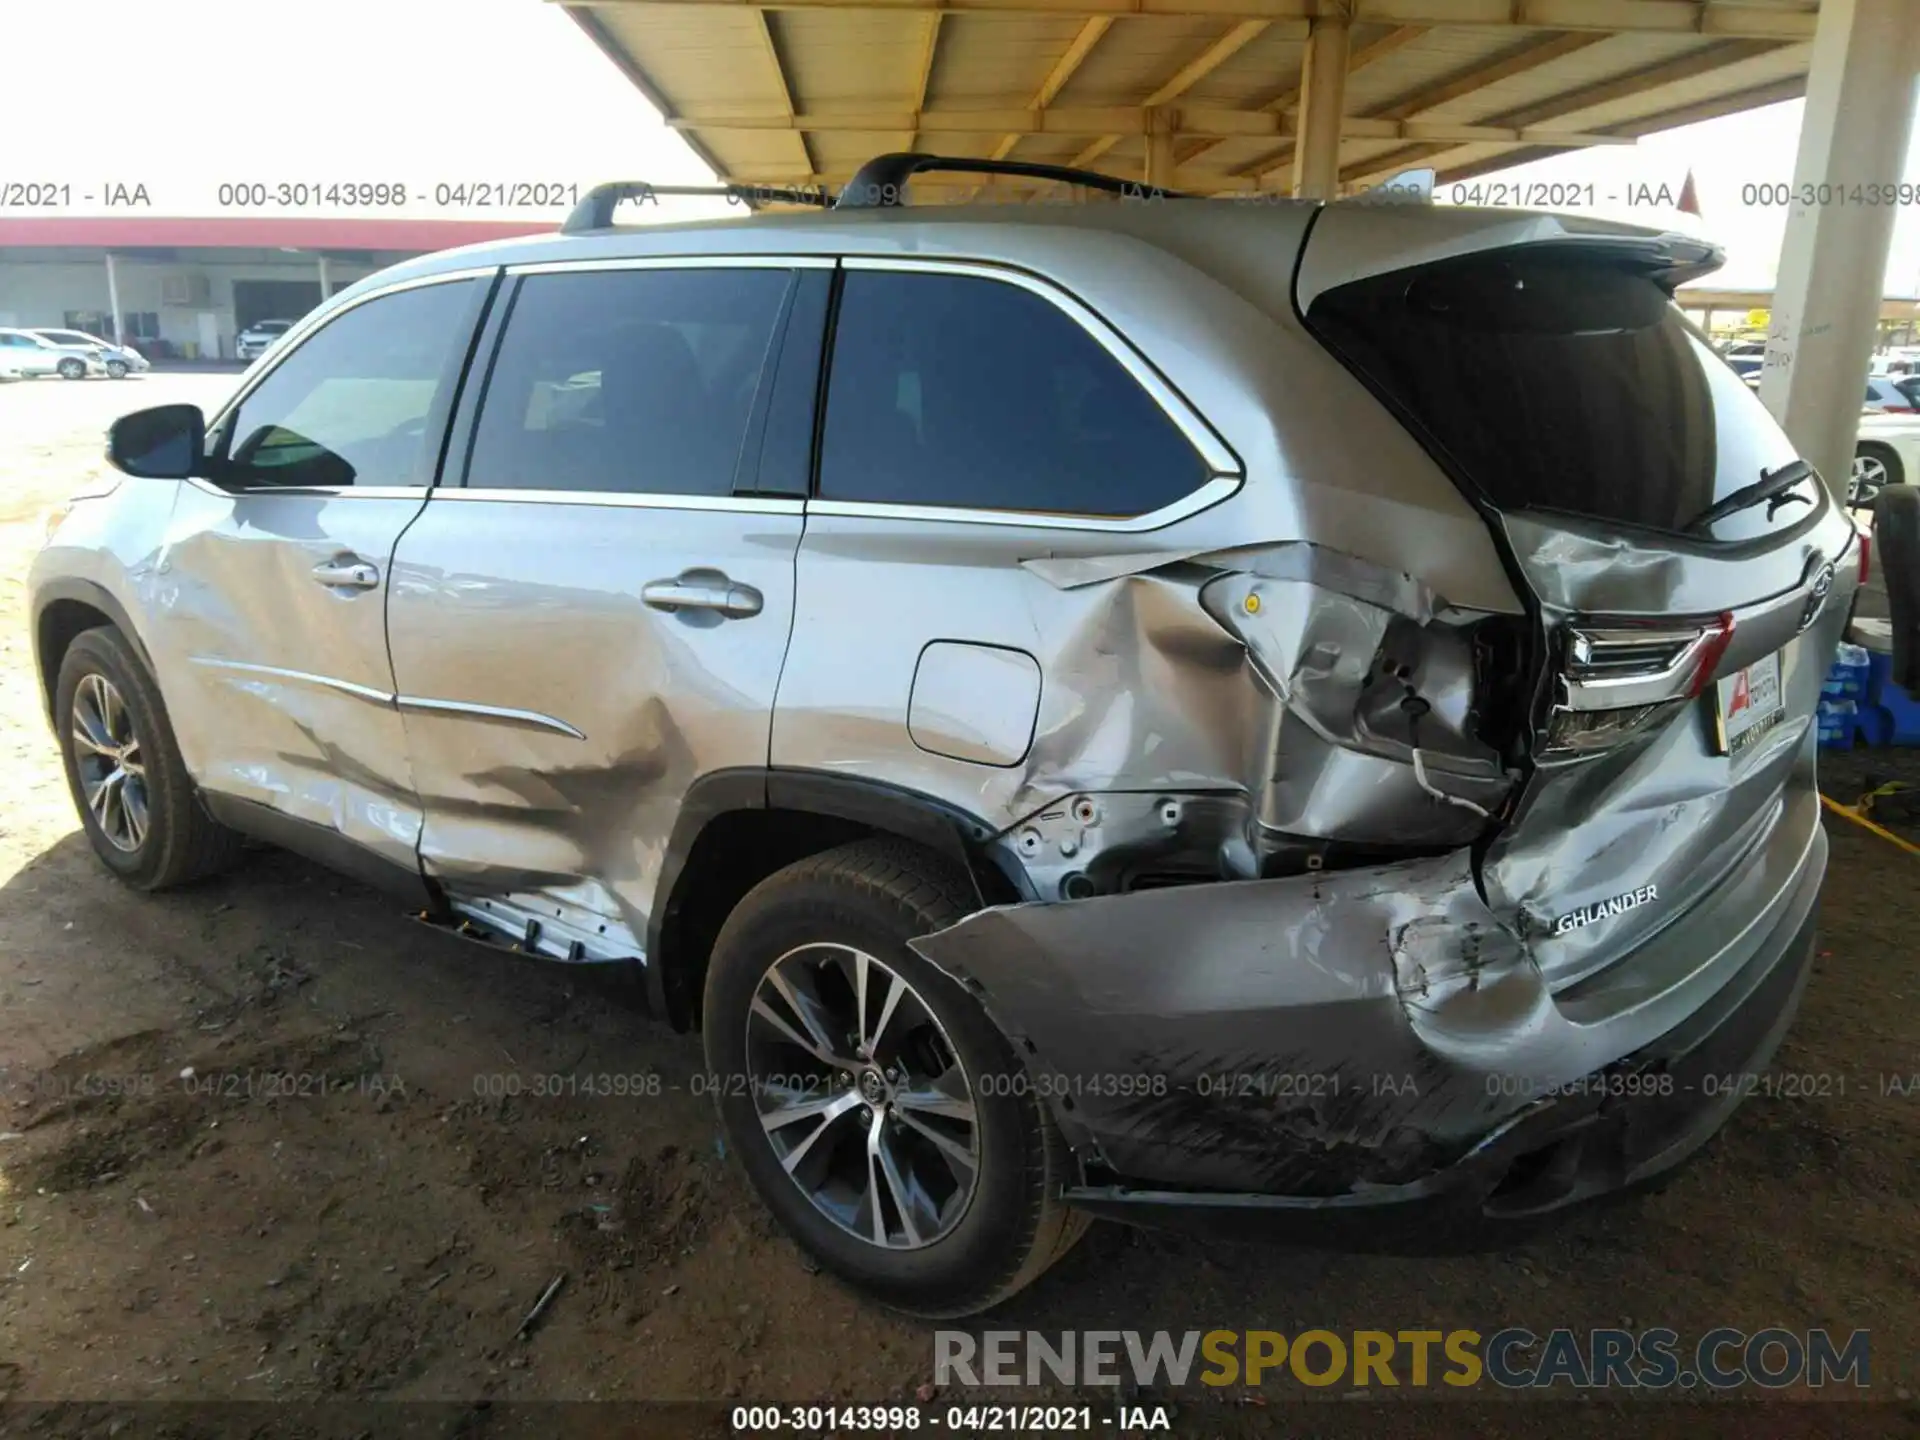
258,232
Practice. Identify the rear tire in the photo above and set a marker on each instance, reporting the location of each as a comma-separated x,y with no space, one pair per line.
962,1241
138,806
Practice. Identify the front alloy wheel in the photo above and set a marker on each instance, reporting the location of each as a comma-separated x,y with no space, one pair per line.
71,369
117,369
106,750
862,1097
130,787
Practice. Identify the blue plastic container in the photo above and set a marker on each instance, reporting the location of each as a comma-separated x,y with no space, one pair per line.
1837,720
1889,716
1850,677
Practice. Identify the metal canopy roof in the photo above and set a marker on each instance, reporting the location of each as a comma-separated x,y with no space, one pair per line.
800,92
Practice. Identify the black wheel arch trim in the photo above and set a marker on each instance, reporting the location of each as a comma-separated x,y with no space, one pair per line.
97,597
881,806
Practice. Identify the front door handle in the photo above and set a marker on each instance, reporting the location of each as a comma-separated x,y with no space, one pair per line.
703,590
347,573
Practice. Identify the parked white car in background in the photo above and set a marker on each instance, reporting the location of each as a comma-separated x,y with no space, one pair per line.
119,361
1887,452
259,337
27,356
39,356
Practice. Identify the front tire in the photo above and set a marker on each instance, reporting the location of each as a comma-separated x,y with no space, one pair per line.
118,369
135,800
71,369
877,1110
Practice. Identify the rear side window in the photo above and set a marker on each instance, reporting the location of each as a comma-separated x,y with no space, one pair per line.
627,381
964,391
1559,382
355,402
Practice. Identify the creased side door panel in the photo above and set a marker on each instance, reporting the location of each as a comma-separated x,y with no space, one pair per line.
278,685
556,720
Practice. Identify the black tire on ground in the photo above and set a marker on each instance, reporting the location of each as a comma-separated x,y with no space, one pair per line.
117,369
873,895
1896,554
71,369
181,842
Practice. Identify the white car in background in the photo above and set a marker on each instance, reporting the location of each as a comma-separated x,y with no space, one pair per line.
24,354
119,361
1886,452
259,337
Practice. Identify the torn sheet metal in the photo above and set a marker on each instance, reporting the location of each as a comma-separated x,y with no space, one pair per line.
1320,1034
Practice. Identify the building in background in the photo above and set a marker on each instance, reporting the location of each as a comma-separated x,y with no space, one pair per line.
183,288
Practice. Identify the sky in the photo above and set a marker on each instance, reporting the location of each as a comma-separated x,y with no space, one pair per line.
188,95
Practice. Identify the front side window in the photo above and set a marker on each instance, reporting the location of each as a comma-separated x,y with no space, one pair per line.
959,390
351,405
628,381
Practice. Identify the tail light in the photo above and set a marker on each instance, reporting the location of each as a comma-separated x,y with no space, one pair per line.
1866,555
1623,679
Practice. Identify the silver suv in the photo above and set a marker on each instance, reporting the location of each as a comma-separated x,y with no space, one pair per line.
1287,716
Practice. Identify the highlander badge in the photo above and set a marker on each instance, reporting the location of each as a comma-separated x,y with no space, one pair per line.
1601,909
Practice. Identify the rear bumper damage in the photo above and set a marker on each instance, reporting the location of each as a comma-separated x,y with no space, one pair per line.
1374,1057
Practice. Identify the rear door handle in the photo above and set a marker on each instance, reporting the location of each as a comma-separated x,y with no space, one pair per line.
347,573
703,590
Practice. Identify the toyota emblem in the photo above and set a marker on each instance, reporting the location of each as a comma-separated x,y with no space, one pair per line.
1817,592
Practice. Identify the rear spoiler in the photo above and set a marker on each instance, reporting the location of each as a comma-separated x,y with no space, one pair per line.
1340,249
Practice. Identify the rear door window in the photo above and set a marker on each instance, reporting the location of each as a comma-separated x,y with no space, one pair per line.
1557,381
628,381
957,390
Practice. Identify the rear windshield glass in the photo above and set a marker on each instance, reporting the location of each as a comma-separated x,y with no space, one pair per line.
1559,382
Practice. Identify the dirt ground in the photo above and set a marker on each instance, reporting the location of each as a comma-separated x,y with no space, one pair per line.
380,1226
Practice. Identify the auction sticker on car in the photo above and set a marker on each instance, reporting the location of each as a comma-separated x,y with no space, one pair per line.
1749,704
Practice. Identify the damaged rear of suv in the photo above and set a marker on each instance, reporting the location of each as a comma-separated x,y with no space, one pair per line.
1518,893
1285,716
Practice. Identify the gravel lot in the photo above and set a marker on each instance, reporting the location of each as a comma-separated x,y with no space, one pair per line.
385,1237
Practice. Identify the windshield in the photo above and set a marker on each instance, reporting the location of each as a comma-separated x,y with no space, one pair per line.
1557,381
273,327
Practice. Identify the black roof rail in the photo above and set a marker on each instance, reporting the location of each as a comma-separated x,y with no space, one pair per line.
595,210
882,181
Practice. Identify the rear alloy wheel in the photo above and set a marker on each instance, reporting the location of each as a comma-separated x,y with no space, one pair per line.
877,1110
71,369
138,806
878,1128
117,369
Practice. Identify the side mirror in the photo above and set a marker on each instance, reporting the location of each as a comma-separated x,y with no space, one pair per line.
166,442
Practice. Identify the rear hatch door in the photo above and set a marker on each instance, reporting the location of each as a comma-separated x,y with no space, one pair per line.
1688,574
